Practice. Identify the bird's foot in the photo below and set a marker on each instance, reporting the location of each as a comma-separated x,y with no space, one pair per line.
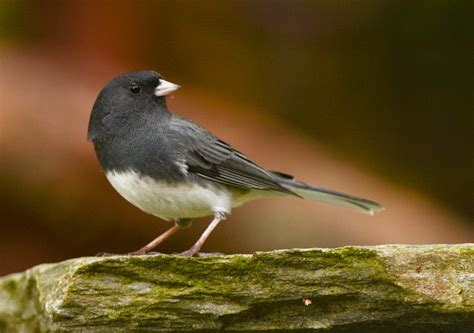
140,252
188,253
191,251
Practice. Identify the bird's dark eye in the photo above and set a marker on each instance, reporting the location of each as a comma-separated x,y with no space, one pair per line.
135,88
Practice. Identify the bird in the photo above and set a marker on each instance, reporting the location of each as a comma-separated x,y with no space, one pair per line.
178,171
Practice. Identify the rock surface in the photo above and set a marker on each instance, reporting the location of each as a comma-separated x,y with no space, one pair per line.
394,288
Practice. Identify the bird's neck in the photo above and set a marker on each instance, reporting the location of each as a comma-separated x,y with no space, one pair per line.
161,101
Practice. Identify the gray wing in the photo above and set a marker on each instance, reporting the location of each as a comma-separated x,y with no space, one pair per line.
210,158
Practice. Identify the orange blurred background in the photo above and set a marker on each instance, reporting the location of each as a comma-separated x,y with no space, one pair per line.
372,98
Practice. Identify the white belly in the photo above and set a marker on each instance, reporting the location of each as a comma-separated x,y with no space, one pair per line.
170,202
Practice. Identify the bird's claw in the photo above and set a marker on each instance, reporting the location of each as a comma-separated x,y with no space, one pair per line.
188,253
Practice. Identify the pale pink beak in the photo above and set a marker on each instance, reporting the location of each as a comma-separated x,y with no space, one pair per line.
165,88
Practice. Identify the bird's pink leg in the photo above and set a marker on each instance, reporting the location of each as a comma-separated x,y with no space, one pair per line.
154,243
218,217
150,246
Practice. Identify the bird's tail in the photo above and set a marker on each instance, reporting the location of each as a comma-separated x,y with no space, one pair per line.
311,192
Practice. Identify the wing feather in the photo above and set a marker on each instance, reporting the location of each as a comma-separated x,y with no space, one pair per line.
210,158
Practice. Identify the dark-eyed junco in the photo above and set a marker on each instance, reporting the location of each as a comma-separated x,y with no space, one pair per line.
176,170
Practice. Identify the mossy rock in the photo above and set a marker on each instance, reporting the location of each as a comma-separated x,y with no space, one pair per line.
392,288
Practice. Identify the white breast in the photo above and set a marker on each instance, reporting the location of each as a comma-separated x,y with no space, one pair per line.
183,200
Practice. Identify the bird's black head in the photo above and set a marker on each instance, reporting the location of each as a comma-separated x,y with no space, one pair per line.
127,96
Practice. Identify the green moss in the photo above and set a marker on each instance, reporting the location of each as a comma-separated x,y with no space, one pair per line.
346,287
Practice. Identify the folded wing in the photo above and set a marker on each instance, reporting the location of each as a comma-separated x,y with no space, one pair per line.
216,160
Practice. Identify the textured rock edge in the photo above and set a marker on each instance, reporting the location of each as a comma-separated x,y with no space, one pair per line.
394,287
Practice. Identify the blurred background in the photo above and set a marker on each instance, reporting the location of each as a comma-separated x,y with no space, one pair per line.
373,98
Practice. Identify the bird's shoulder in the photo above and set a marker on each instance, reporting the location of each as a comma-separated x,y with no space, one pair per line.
188,131
199,141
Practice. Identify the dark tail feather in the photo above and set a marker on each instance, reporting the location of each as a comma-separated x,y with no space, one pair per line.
320,194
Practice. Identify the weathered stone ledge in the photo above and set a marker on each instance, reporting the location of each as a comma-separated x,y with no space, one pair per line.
392,288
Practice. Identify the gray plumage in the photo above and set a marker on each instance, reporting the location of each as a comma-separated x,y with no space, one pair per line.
172,168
